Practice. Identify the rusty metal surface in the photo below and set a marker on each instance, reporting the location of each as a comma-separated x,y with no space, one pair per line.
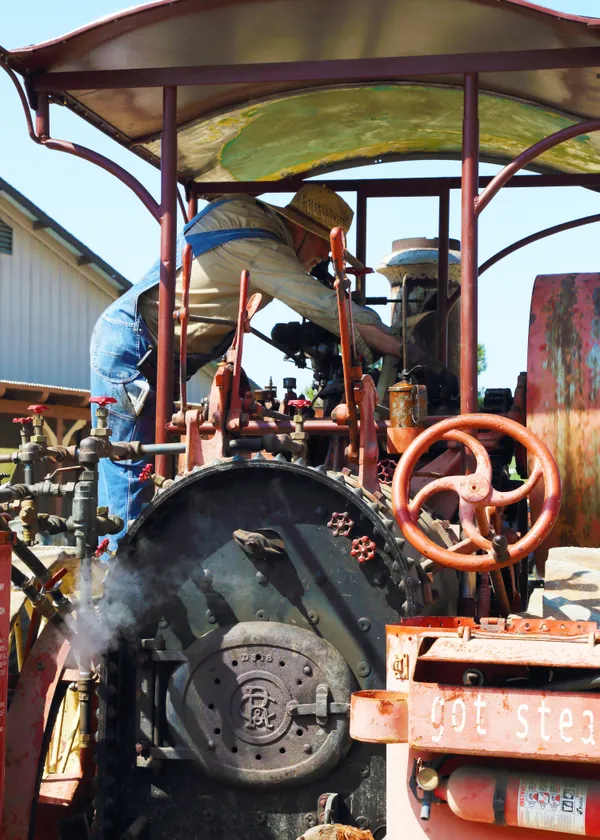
379,717
27,718
476,494
6,540
481,721
563,399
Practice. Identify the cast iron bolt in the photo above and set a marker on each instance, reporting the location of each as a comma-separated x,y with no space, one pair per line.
210,617
308,749
310,820
211,745
142,749
307,670
363,669
473,676
379,579
262,615
261,579
363,549
320,577
260,818
365,772
363,624
340,524
313,617
162,623
40,666
362,823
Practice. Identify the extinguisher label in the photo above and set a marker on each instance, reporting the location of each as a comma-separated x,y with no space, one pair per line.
552,804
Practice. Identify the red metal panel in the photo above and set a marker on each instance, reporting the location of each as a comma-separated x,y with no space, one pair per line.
27,720
5,564
563,400
478,721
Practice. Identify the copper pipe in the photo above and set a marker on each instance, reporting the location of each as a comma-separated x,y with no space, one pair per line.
468,314
530,154
442,283
267,426
166,299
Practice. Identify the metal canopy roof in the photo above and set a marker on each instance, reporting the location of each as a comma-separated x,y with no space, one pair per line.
271,88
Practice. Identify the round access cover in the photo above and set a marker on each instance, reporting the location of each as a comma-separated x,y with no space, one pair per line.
261,704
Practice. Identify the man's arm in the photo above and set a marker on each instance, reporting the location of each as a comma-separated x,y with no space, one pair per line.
278,272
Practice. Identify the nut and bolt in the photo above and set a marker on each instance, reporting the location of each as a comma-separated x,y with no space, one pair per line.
211,745
308,749
365,772
362,823
261,579
307,670
262,615
363,624
379,579
313,617
363,669
260,818
473,676
210,617
310,820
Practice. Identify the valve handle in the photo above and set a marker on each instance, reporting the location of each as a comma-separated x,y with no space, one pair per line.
38,409
299,403
102,547
146,473
23,420
102,401
55,580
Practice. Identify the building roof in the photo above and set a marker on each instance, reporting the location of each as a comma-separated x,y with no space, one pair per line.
276,88
84,255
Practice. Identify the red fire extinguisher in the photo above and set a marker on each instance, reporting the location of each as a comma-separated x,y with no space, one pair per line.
547,803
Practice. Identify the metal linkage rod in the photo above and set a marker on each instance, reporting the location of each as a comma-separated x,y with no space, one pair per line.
468,312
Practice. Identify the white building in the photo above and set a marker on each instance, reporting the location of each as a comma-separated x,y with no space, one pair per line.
52,291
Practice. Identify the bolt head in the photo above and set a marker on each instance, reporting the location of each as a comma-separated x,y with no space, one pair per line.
379,579
261,579
308,749
362,823
210,617
313,617
310,820
211,745
307,670
363,624
363,669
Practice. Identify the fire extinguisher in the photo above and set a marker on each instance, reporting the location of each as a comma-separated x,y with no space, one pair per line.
527,800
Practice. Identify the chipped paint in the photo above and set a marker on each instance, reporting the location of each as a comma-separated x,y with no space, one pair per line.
329,128
563,389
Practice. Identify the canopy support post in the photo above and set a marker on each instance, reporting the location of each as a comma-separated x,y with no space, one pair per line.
468,313
166,300
442,286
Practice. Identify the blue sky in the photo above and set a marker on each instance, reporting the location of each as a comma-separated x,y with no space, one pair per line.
109,219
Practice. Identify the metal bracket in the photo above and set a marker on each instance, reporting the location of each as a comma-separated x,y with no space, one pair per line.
321,708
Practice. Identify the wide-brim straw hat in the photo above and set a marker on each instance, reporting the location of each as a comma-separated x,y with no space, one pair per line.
318,209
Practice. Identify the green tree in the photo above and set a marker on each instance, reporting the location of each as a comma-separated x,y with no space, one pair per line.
481,359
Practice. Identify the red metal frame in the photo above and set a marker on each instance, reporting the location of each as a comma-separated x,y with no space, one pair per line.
6,540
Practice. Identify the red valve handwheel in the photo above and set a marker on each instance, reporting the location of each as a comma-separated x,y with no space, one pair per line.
102,400
23,420
475,493
38,409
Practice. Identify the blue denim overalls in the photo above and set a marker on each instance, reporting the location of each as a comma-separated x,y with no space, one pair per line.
119,341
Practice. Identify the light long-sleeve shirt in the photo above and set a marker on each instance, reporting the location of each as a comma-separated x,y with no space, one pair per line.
275,272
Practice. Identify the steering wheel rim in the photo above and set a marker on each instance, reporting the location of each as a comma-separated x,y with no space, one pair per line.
475,492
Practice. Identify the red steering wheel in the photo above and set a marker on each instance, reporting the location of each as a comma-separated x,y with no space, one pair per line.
476,493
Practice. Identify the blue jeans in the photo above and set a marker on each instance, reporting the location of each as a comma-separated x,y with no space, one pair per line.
118,343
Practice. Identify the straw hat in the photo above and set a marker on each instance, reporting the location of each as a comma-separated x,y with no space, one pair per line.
317,209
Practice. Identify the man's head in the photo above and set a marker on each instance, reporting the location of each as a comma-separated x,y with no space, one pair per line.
310,216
